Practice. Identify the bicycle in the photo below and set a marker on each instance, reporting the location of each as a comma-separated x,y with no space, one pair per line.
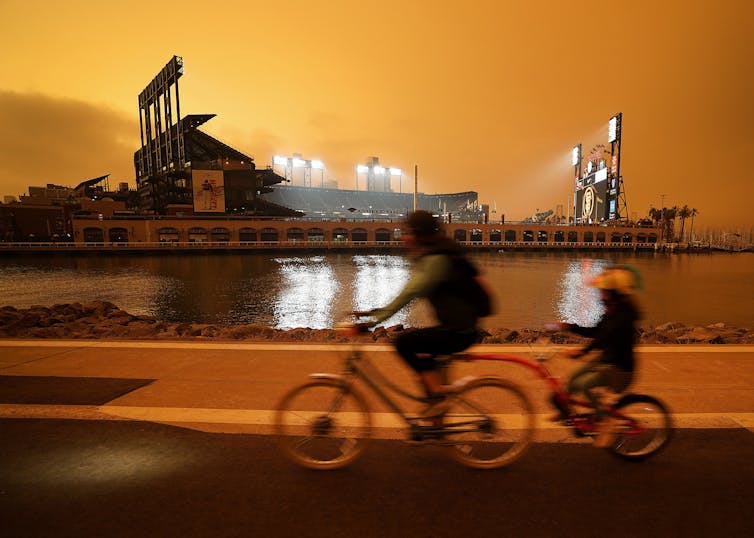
642,423
326,422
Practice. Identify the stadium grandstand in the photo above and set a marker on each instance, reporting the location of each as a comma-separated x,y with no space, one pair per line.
331,204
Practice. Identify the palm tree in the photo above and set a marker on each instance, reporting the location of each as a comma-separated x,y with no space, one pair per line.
692,214
683,214
668,218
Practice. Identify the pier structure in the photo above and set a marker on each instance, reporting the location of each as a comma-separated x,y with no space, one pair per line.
228,233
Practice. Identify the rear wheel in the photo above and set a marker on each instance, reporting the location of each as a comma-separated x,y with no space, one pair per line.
643,427
489,423
322,424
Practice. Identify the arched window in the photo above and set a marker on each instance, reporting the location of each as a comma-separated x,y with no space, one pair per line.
118,235
496,236
94,235
315,234
358,234
558,237
510,235
219,235
168,235
382,235
294,235
340,234
641,237
652,238
542,236
628,238
528,235
197,235
459,235
475,235
247,235
573,237
615,237
588,237
269,235
600,237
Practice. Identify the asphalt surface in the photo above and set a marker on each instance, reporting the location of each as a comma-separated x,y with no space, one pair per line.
170,439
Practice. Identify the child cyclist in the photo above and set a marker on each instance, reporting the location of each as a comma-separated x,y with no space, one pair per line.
615,336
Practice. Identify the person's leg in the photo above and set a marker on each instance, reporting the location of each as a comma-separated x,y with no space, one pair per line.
585,380
418,348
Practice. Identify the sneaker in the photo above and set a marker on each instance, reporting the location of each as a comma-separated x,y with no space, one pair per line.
605,433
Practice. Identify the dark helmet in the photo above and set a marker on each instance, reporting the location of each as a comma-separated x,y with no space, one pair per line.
423,223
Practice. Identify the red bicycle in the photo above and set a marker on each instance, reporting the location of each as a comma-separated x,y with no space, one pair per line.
642,424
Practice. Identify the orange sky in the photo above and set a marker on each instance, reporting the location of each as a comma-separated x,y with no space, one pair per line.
481,95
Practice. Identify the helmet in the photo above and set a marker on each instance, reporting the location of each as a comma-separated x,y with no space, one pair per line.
622,280
423,223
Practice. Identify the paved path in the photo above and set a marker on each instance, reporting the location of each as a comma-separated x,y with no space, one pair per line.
232,387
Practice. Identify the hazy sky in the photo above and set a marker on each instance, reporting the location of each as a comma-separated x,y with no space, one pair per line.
482,95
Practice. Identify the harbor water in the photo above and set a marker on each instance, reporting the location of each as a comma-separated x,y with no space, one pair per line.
285,291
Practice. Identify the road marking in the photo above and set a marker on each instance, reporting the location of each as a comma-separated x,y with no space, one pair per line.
288,346
265,417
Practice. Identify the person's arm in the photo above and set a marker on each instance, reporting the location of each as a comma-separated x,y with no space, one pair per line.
429,271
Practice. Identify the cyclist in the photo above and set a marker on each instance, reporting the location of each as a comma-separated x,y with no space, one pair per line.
615,336
444,276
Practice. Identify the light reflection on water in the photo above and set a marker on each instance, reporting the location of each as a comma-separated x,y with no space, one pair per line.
531,288
580,303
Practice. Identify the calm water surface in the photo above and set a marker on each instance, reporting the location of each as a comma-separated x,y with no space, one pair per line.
313,290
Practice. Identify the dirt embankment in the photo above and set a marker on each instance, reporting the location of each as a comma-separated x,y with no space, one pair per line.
104,320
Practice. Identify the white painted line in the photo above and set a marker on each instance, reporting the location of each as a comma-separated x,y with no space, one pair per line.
265,417
521,349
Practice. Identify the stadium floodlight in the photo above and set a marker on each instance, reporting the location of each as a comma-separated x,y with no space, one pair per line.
282,161
317,164
613,128
379,170
395,172
576,155
362,169
299,163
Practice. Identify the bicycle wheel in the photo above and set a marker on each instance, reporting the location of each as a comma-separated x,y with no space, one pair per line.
643,427
489,423
322,424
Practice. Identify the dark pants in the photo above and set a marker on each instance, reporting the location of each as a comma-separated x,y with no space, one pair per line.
418,347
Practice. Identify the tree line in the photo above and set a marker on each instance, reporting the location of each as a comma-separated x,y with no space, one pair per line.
665,219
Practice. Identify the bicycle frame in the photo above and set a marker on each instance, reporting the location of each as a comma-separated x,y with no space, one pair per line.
583,423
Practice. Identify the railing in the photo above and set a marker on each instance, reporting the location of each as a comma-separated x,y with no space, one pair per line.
304,245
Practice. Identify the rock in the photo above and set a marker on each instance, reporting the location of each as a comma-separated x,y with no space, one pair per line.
670,326
700,335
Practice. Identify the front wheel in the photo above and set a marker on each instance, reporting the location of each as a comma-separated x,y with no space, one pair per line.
322,424
643,427
489,423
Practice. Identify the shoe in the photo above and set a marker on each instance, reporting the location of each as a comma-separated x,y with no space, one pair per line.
605,433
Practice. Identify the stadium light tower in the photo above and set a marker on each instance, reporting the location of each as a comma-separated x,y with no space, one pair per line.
290,163
378,177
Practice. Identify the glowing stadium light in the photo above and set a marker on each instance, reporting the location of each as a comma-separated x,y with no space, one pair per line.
395,172
317,164
282,161
612,129
362,169
379,170
576,155
299,163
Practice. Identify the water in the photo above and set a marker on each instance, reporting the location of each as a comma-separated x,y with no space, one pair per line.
313,290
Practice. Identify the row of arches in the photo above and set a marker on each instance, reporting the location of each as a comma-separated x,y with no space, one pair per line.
94,234
267,234
543,236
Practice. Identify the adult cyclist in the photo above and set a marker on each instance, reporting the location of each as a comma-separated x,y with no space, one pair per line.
453,287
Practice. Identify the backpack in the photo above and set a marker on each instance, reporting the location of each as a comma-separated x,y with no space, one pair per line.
467,279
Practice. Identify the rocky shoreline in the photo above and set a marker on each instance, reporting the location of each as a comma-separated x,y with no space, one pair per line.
104,320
